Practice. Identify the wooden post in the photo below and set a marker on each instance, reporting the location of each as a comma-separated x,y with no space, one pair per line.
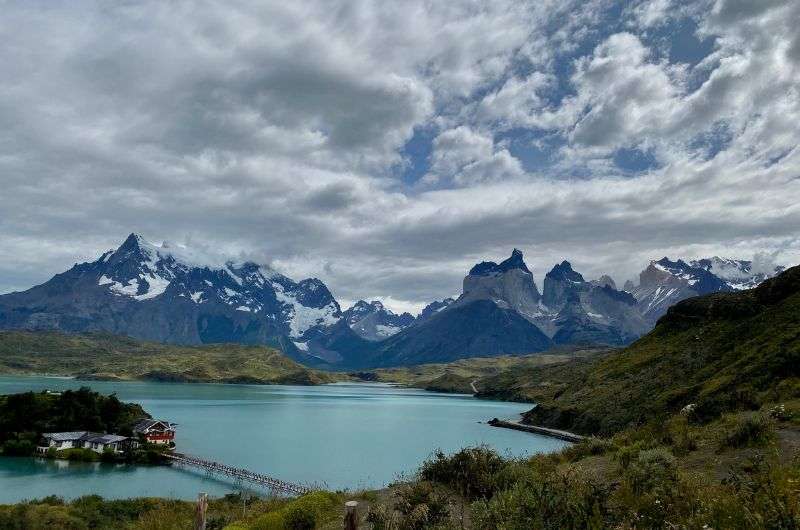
351,515
200,511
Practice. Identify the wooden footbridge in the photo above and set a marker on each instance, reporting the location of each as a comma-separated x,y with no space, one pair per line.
239,474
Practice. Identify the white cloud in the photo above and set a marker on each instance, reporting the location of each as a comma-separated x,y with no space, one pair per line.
274,131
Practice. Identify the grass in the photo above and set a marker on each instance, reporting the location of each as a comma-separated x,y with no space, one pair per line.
105,356
458,376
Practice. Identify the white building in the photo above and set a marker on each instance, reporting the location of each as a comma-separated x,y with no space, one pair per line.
86,440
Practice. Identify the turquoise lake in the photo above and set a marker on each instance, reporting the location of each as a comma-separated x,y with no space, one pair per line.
338,436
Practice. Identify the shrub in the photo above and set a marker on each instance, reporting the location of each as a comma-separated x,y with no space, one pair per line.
651,469
470,471
756,429
306,512
269,521
555,501
587,447
421,504
382,517
19,447
78,454
681,437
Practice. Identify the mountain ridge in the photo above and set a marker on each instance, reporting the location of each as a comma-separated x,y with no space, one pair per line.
172,294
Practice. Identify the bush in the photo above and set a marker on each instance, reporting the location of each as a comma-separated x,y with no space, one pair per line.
555,500
470,471
421,504
650,470
18,447
78,454
587,447
269,521
756,429
306,512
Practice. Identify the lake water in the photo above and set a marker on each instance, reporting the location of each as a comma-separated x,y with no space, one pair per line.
339,436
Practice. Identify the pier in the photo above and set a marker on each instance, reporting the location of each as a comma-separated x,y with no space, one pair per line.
239,474
544,431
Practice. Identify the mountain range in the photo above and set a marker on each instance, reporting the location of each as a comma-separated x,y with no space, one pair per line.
167,293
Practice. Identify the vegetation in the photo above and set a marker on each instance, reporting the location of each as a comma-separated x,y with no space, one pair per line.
93,512
641,478
459,376
701,426
105,356
24,417
712,354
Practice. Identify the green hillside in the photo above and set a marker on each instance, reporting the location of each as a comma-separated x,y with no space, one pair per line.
105,356
723,352
459,376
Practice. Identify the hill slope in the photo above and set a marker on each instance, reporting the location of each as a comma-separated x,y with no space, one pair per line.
720,352
106,356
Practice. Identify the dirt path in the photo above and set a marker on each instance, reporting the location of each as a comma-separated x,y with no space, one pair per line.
472,384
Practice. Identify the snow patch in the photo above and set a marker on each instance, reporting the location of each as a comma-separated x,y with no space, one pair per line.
157,286
302,318
386,330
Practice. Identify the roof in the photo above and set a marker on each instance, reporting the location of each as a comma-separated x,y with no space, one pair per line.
83,436
65,436
104,438
143,425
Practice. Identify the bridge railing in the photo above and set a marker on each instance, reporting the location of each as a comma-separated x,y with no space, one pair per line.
239,473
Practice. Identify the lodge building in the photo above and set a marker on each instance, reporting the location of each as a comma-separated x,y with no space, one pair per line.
155,431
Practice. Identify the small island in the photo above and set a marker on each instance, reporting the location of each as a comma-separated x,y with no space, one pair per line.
81,425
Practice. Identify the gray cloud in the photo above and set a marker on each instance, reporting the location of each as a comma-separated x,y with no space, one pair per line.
274,132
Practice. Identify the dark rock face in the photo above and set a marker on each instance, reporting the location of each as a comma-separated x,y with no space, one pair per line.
453,334
561,283
500,311
433,308
487,268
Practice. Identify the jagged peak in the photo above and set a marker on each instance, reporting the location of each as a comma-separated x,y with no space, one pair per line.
515,261
564,271
375,306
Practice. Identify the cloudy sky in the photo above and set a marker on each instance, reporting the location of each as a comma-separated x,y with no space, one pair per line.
385,147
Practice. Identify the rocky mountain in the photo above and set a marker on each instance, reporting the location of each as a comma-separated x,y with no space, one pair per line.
433,308
738,274
373,321
168,293
501,311
721,352
165,293
664,282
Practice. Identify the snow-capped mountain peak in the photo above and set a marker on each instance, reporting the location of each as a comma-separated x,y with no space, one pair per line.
143,271
373,321
738,274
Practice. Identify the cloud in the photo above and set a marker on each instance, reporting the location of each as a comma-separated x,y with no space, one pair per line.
274,131
469,157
